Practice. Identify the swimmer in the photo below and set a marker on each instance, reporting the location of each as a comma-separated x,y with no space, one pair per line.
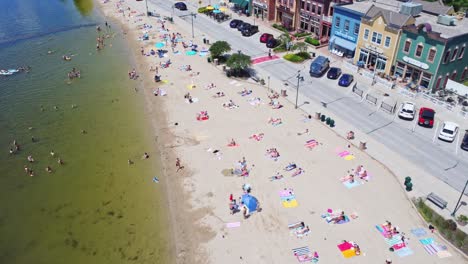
130,162
12,151
60,161
33,139
26,169
31,173
145,156
30,159
83,131
48,169
52,153
55,107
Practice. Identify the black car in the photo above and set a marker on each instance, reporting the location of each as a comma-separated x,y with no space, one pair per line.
464,144
243,26
334,73
181,6
249,31
235,23
272,43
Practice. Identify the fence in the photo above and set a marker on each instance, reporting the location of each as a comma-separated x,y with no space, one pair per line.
357,91
386,83
407,93
351,66
371,99
448,106
388,107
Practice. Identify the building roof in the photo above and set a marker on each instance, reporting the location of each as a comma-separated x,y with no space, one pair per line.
392,18
435,8
445,31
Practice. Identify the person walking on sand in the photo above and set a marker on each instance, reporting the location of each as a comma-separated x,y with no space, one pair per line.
178,165
48,169
60,161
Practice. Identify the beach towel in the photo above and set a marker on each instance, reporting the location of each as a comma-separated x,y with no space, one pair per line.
288,198
346,220
399,246
290,204
233,224
349,157
426,241
393,241
443,254
431,249
310,144
286,192
190,53
406,251
344,246
343,154
350,185
349,253
303,254
419,232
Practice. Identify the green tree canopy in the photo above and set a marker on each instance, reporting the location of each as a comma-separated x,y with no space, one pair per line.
239,62
219,48
301,46
84,6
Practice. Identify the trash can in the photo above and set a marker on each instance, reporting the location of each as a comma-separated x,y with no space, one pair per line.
317,115
362,145
216,61
204,40
208,42
332,123
209,60
322,118
327,121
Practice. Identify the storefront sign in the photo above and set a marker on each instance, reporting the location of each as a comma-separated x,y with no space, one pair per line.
416,63
260,4
373,48
343,35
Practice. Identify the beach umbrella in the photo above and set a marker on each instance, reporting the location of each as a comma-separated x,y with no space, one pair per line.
190,53
216,11
216,6
250,202
223,9
160,45
209,8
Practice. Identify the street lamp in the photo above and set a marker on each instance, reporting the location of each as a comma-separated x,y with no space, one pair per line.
299,79
459,199
147,13
193,15
269,83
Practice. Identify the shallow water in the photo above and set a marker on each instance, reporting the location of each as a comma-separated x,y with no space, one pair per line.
95,208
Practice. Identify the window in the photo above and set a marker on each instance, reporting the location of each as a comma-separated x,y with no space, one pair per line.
462,52
387,41
302,4
446,56
454,75
446,80
366,34
356,29
438,82
376,38
454,54
308,6
419,50
313,8
464,74
337,22
407,46
346,25
291,3
363,55
319,10
431,55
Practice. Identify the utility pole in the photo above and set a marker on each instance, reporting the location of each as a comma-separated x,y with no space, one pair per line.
299,78
147,13
459,199
193,15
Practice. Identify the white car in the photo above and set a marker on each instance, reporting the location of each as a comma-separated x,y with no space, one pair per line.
407,111
448,132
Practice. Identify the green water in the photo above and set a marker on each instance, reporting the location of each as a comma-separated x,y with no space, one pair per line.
95,208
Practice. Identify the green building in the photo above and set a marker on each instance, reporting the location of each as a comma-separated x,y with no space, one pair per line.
244,5
432,51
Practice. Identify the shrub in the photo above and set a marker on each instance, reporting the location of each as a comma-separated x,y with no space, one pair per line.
202,10
451,225
302,34
280,27
293,58
312,41
280,48
304,55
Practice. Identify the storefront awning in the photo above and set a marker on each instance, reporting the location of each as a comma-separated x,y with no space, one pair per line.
343,43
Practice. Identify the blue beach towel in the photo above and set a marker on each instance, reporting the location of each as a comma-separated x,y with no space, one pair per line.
350,185
419,232
406,251
393,241
426,241
191,53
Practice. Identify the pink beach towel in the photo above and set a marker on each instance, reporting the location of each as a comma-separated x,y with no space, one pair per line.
345,246
233,224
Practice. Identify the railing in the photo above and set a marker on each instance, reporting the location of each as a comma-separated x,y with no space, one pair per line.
407,93
448,106
386,83
351,66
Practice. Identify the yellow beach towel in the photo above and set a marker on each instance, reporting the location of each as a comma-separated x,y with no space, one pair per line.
290,204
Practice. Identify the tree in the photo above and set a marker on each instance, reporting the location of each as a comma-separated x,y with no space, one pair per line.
219,48
238,62
301,46
285,39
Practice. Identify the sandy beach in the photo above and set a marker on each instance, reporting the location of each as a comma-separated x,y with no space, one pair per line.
204,230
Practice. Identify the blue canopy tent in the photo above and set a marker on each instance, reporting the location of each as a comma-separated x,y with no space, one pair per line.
250,202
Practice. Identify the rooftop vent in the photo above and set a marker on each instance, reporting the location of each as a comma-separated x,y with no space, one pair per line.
446,20
412,9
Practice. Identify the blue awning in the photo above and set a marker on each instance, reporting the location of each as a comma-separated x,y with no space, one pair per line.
343,43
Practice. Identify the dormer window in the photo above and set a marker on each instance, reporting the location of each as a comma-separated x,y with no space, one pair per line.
407,46
454,54
431,54
419,50
462,52
446,56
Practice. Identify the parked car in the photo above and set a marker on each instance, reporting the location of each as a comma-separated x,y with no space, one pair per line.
181,6
464,144
407,111
334,73
235,23
265,37
249,31
319,66
243,26
426,117
448,132
345,80
272,43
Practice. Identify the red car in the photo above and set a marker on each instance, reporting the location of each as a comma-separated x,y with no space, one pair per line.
426,117
265,37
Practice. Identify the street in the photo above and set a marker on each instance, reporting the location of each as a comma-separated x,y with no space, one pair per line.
443,160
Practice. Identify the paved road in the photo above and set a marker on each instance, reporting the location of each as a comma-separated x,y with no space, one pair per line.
436,157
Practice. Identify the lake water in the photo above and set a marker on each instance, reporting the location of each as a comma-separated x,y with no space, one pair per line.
95,208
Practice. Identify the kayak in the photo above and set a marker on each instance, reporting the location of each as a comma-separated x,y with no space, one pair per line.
13,70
